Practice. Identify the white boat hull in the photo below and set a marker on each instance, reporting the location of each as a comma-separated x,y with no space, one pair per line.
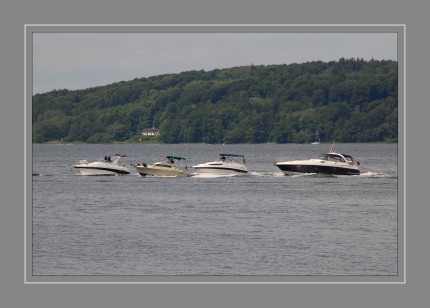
159,171
221,169
98,171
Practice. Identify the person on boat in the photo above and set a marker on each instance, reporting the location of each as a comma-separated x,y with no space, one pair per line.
105,157
222,157
108,159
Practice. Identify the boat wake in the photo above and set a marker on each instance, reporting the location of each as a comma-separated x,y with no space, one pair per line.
371,174
368,174
266,174
42,174
310,174
362,175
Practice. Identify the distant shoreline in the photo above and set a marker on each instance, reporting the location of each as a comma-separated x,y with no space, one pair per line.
134,142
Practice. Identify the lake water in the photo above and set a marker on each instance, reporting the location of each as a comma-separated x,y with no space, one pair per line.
263,223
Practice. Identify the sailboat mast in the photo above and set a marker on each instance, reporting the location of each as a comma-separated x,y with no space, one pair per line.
331,150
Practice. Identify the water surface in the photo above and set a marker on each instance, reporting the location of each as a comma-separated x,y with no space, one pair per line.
263,223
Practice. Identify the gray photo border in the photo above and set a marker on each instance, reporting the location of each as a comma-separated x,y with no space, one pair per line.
203,28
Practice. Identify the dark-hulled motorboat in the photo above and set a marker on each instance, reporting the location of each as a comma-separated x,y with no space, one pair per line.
329,163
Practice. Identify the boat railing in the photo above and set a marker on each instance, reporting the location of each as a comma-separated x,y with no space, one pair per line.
232,158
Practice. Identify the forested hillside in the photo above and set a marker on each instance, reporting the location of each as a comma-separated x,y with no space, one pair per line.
350,100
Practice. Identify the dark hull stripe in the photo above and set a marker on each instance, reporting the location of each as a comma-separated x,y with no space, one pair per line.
318,169
170,175
105,169
215,168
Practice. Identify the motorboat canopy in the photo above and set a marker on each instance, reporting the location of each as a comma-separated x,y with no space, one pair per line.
230,157
176,157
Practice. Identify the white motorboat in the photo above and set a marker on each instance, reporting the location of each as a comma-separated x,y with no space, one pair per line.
329,163
226,165
167,167
107,166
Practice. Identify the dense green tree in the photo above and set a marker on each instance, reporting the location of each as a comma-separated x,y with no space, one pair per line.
350,100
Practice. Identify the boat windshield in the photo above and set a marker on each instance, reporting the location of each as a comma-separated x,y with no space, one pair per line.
332,157
163,164
176,157
338,157
349,159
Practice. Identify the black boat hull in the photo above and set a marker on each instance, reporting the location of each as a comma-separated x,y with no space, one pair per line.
298,169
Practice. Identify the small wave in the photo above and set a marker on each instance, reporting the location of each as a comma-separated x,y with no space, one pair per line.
158,176
371,174
42,174
308,174
365,174
266,174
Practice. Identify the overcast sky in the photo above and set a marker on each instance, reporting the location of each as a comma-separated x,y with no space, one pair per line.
82,60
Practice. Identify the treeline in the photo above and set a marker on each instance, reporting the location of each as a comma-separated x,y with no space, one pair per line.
350,100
